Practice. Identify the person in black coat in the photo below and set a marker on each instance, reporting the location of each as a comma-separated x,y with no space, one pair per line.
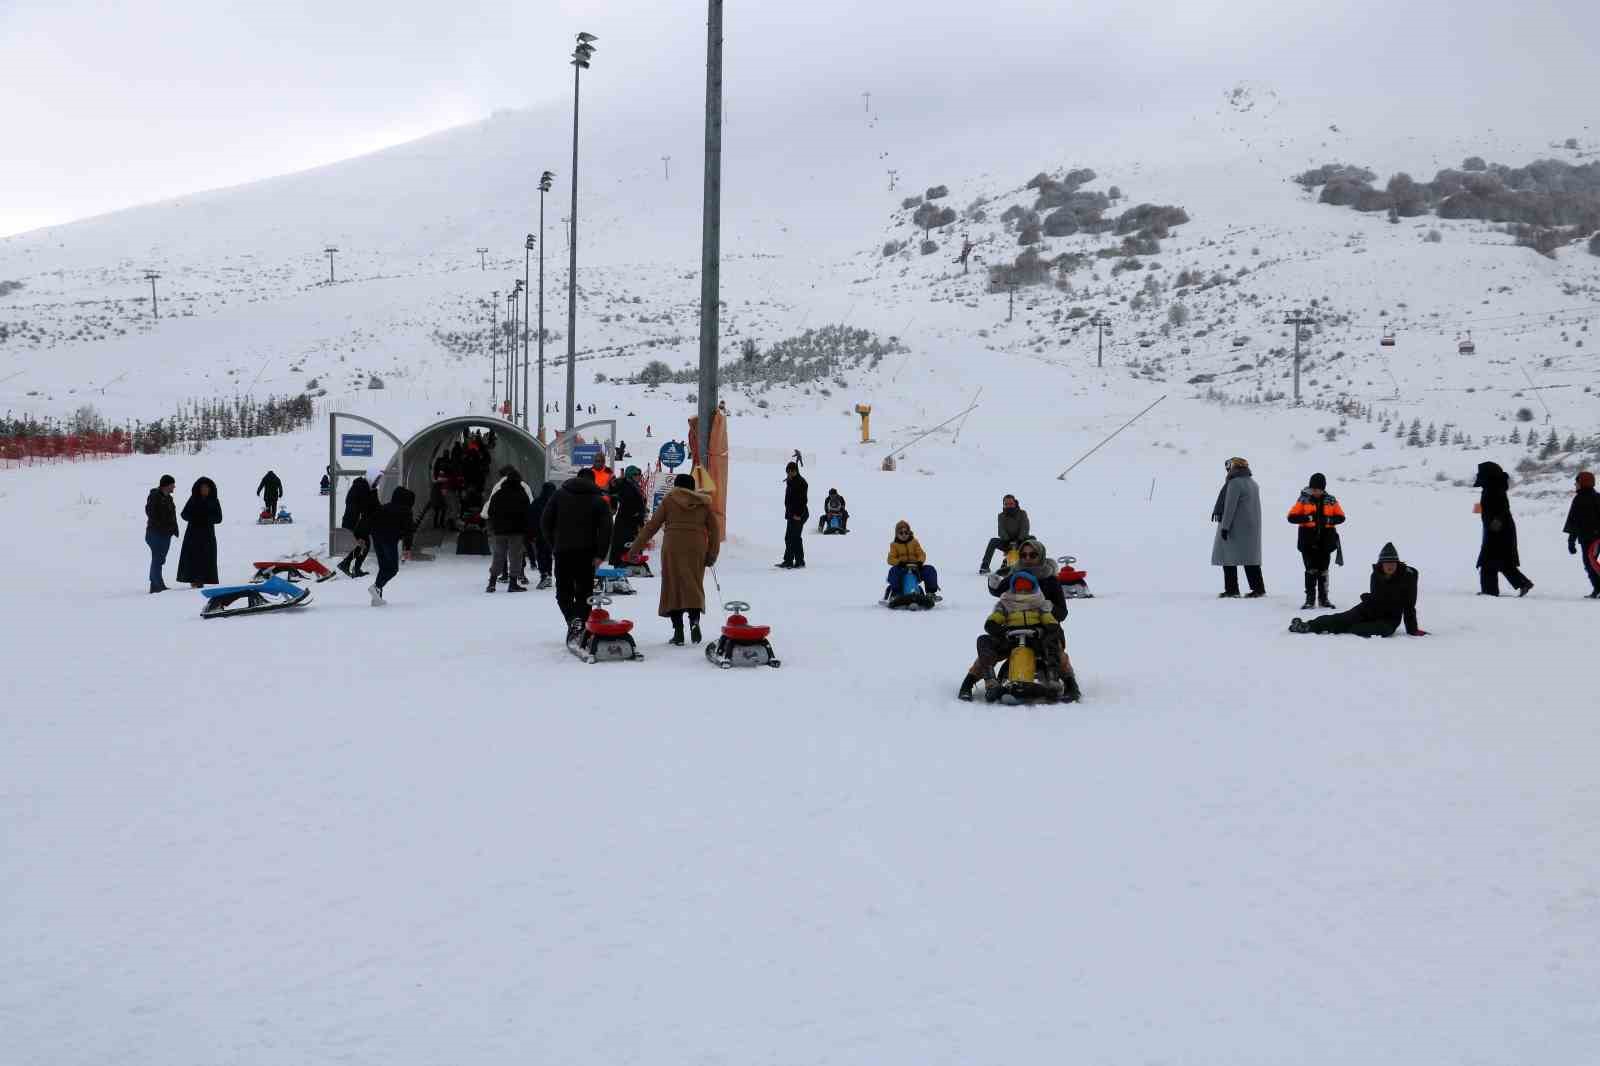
359,504
197,560
538,547
631,512
1499,552
160,526
1391,600
271,491
389,527
1583,529
795,513
577,523
507,513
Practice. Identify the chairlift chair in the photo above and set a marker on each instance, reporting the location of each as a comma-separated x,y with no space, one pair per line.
1466,347
1387,341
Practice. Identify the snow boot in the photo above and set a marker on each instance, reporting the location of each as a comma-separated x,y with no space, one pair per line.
694,631
1070,692
676,640
1227,595
344,565
490,586
516,586
1322,592
1298,626
965,692
983,569
544,582
1253,595
1524,590
1311,591
1595,595
377,596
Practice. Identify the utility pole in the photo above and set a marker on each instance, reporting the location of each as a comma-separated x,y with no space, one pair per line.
1297,320
711,229
483,264
329,251
151,276
892,175
527,250
544,186
666,168
580,62
1101,325
494,346
867,99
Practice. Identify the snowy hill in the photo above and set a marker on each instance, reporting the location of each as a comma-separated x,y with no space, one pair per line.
427,834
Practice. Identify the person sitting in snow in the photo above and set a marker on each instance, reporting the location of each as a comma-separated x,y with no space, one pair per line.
1391,601
1011,529
1022,605
905,551
1032,559
834,505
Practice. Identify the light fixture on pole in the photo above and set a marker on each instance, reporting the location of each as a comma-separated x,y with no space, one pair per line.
483,263
494,347
527,253
544,186
151,276
581,55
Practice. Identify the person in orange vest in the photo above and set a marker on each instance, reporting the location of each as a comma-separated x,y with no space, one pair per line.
602,475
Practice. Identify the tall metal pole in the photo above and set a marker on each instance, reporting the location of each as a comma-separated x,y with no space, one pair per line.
572,259
711,228
544,187
494,347
1297,321
330,250
151,276
527,251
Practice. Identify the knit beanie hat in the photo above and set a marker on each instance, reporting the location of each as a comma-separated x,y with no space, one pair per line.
1585,479
1388,554
168,479
1319,482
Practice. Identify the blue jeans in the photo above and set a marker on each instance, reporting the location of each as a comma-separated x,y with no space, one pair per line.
930,578
388,553
159,543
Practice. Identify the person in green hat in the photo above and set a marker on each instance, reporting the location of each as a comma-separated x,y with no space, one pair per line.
628,492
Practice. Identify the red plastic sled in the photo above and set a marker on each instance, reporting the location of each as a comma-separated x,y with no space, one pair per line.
293,570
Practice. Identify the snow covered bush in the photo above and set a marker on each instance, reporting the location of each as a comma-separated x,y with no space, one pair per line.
9,287
655,372
911,201
929,247
938,192
892,248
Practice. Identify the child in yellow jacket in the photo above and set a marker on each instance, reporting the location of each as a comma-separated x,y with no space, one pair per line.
904,551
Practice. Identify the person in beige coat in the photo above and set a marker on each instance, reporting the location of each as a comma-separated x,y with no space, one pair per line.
690,547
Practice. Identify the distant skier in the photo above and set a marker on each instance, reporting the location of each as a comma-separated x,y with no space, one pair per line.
1583,529
1390,601
507,515
197,560
1316,513
1238,538
271,491
391,526
1498,555
1011,529
795,512
160,526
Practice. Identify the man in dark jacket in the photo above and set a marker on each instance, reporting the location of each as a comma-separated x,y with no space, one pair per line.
360,503
1011,529
795,512
507,512
1498,555
389,527
1391,601
631,512
1583,529
160,526
577,523
538,547
1316,514
271,491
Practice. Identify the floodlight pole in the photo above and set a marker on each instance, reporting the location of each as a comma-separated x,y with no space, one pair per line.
711,230
527,252
494,347
544,187
580,60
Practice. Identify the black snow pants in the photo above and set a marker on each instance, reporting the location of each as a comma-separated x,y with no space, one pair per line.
794,549
1356,621
574,583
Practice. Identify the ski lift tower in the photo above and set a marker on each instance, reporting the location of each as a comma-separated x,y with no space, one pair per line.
1298,321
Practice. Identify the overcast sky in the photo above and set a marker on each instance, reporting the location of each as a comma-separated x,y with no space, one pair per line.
110,105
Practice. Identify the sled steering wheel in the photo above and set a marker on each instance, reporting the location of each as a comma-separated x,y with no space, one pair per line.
736,606
599,599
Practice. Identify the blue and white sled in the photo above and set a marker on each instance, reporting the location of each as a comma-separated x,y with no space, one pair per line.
273,594
612,581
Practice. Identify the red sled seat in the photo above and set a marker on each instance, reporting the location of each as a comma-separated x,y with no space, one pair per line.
738,628
601,624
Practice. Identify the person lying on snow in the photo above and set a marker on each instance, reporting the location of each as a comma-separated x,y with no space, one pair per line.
904,551
1393,600
1022,604
1033,560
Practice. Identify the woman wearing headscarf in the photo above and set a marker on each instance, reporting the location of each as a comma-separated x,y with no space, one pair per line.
689,547
197,561
1498,555
1238,538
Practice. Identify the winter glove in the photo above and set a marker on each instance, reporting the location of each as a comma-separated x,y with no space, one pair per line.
1224,534
1572,545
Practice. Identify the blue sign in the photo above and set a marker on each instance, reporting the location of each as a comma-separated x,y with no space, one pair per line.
356,445
673,454
584,454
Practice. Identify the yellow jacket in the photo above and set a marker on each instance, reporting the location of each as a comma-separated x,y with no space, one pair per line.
909,552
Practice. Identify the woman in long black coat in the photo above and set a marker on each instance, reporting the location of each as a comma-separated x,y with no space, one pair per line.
197,561
1499,552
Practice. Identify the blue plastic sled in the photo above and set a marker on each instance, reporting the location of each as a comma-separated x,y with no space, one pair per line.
273,594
